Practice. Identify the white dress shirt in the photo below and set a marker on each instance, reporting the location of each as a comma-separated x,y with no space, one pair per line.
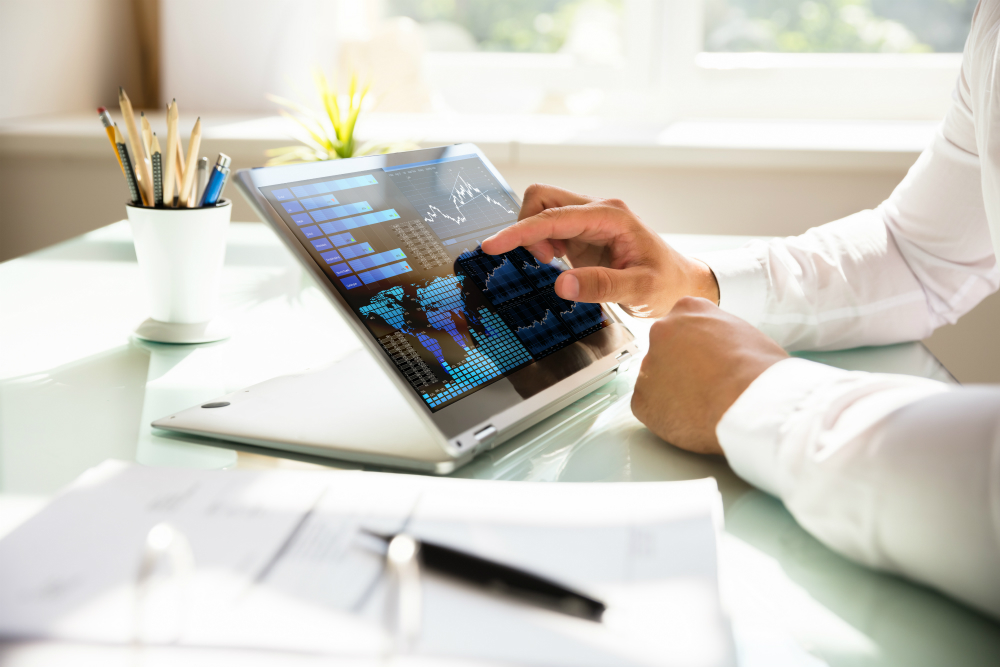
897,472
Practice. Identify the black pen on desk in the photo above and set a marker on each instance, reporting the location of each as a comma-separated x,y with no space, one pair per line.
133,186
505,579
216,181
157,159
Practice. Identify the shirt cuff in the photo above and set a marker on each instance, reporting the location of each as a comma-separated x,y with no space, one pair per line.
742,282
750,431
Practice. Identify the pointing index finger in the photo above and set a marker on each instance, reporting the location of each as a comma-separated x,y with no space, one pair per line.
589,223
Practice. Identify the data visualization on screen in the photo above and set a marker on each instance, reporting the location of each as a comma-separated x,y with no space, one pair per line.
401,245
458,200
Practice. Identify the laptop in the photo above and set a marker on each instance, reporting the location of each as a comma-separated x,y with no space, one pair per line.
461,350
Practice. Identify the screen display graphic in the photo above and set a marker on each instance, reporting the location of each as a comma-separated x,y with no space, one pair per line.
401,245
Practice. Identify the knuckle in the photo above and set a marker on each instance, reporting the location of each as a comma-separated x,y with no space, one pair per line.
662,328
615,203
533,190
689,304
639,401
604,285
548,214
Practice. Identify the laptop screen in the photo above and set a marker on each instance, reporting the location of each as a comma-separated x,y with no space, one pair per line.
401,245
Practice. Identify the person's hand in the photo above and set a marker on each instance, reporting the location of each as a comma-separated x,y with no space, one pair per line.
700,360
615,257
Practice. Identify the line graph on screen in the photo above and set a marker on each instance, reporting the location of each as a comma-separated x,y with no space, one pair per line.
496,275
456,199
539,328
462,194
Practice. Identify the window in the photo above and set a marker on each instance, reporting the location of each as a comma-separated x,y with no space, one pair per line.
589,29
838,26
835,59
660,59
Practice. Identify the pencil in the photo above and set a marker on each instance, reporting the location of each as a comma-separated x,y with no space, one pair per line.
143,179
191,166
180,163
157,172
133,187
109,128
170,169
147,137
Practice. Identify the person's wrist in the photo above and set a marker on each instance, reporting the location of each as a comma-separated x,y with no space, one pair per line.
704,284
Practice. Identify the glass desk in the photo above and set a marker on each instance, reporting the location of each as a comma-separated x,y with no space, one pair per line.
75,389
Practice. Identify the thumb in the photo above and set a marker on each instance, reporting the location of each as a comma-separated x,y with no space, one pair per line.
597,284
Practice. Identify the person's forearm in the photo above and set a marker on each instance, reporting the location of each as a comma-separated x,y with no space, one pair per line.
899,473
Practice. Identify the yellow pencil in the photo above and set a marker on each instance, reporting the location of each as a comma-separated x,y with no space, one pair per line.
191,166
109,129
143,177
170,170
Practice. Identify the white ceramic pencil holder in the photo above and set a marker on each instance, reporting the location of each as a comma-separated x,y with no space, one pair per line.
181,252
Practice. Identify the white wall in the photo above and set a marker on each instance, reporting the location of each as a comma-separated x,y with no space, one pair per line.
64,55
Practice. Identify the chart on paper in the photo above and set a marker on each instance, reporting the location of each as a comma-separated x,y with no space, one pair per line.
457,199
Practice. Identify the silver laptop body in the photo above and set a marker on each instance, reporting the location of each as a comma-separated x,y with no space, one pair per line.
462,350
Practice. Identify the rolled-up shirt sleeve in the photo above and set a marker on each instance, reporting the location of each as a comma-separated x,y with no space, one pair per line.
899,473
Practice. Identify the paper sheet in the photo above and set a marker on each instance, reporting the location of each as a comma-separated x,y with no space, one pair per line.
280,564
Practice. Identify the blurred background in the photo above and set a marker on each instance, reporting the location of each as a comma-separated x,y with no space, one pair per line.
748,117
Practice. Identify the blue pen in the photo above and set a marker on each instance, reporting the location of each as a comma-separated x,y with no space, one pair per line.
216,181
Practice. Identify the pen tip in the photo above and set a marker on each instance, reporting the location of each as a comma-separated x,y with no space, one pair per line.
101,109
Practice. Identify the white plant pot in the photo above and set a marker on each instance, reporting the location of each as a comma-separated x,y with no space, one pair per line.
181,253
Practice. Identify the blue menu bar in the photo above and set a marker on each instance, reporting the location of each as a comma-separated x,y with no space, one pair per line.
331,257
311,232
321,244
351,282
340,270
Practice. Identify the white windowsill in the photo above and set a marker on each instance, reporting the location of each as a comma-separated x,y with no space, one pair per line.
541,139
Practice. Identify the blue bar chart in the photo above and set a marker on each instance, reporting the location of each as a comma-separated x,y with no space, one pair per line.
346,224
301,191
352,251
318,202
342,239
340,211
372,261
384,272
